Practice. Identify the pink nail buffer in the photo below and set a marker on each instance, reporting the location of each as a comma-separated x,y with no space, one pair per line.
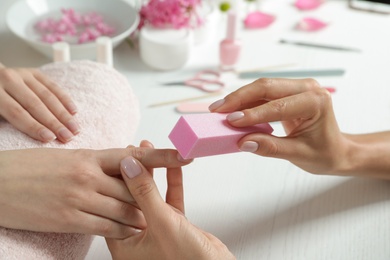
199,135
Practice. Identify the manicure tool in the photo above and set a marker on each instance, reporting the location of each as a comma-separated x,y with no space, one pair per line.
205,80
293,73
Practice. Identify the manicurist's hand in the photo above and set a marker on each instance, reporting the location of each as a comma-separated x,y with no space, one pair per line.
168,235
73,191
313,140
35,105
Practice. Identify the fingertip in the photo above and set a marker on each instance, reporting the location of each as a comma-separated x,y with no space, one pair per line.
71,107
217,104
181,159
130,167
235,116
46,135
146,143
249,146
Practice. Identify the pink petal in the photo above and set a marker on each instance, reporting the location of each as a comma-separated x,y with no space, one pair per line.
311,24
308,4
258,19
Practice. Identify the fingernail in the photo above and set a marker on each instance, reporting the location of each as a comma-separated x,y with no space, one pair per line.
249,146
72,108
47,135
130,167
216,104
65,134
181,159
73,126
235,116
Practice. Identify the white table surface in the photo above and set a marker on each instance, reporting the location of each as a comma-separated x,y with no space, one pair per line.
264,208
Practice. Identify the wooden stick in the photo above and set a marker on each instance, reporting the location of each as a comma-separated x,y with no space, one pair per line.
186,99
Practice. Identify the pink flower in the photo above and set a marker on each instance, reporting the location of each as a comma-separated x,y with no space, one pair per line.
310,24
258,19
175,13
82,27
308,4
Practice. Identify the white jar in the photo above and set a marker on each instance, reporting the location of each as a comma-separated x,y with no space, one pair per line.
165,49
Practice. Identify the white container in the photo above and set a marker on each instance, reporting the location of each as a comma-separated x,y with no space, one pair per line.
165,49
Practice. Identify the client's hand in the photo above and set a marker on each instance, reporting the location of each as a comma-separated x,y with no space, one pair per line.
168,234
36,106
73,191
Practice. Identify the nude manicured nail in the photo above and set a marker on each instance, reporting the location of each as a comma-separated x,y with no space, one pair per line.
235,116
73,126
130,167
72,108
65,134
249,146
47,135
216,104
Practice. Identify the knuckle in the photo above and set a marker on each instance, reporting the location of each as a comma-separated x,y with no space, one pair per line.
270,149
8,75
105,228
126,210
81,171
15,112
83,176
143,189
137,153
34,104
266,83
166,157
311,84
35,72
322,97
45,94
279,107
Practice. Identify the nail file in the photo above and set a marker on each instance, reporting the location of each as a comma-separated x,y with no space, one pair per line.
200,135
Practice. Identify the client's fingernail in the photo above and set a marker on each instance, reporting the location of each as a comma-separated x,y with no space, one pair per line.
65,134
235,116
72,108
216,104
249,146
181,159
47,135
131,167
73,126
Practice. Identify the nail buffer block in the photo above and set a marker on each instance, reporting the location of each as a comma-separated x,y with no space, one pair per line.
199,135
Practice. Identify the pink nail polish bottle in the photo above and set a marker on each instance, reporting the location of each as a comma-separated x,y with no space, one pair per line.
230,47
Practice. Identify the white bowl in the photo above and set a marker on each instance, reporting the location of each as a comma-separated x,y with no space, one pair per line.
23,15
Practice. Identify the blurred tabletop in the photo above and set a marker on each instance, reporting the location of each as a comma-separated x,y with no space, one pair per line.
264,208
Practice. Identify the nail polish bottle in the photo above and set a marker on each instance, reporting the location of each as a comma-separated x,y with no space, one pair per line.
230,47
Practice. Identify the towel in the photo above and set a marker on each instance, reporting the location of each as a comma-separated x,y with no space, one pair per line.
108,115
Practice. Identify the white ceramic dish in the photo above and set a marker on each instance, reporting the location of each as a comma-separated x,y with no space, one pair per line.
23,15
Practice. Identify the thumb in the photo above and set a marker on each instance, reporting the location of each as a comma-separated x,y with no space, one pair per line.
143,188
271,146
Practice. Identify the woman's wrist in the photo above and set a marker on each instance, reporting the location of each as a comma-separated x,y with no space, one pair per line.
366,155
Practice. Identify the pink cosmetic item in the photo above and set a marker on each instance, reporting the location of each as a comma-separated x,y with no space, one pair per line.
230,47
310,24
200,135
257,20
308,4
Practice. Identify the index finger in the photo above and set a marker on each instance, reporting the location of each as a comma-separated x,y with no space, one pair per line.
263,90
109,160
